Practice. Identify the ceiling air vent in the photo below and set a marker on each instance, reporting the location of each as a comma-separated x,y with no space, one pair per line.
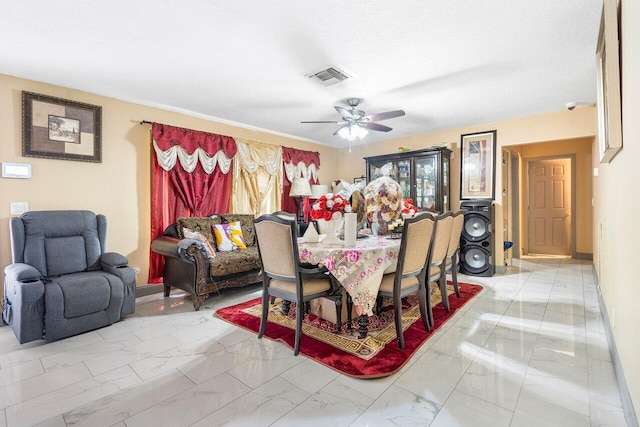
329,76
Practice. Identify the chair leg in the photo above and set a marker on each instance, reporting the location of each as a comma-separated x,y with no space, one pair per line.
397,315
167,290
443,289
429,307
424,314
265,313
454,274
299,316
378,305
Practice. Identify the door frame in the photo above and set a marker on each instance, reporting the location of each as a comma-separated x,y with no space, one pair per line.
528,161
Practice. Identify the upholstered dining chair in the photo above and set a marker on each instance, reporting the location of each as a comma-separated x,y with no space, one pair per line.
436,260
453,251
283,275
410,273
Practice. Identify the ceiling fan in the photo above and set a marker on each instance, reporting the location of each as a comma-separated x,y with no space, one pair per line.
355,123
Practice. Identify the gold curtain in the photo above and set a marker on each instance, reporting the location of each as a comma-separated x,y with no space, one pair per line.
257,178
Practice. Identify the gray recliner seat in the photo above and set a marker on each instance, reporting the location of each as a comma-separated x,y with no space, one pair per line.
62,282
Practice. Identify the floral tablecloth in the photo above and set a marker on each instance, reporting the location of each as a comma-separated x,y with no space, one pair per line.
358,268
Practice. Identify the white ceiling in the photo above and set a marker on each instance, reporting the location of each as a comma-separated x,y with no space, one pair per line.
446,63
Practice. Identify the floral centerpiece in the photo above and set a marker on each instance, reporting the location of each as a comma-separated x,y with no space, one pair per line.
330,209
383,198
408,208
330,206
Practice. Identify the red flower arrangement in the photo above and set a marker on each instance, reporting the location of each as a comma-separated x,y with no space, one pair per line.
330,206
408,208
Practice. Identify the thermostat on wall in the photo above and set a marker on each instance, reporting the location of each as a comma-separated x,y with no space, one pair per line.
16,170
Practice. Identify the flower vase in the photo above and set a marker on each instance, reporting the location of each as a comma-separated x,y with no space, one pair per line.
330,230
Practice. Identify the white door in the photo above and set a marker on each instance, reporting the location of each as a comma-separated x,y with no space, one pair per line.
550,207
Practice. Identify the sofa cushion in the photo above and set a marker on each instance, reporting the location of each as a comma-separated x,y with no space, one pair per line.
246,222
233,262
201,225
229,237
81,296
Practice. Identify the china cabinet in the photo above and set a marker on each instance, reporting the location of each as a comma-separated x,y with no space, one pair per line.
424,175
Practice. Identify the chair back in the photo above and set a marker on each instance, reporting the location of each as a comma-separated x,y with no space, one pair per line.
416,239
58,242
277,246
442,234
456,232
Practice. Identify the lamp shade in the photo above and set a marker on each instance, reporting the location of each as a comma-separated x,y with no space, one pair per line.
318,190
300,188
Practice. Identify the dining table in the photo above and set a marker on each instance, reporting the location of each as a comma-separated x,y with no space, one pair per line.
357,267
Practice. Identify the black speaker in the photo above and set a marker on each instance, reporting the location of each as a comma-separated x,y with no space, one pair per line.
476,241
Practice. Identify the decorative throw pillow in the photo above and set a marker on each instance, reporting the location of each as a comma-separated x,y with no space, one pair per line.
229,237
196,235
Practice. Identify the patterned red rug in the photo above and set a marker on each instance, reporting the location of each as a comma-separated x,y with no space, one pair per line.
376,356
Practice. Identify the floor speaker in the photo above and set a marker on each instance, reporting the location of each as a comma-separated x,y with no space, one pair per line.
476,241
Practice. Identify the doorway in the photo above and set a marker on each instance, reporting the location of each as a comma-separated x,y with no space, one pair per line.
550,212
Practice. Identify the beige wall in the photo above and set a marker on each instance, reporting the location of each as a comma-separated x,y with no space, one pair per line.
562,125
119,186
617,211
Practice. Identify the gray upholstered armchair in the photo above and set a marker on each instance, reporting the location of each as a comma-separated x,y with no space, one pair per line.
62,282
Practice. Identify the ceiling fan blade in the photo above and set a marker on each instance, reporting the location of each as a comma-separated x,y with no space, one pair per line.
338,130
343,111
384,116
374,126
323,121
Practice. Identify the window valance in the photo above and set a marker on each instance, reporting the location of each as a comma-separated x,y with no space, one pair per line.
191,147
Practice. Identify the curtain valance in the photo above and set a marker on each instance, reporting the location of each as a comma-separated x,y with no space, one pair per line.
300,163
190,147
252,155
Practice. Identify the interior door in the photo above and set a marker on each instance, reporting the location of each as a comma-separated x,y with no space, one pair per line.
550,207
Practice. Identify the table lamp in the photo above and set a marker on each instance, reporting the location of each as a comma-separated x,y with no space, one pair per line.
300,188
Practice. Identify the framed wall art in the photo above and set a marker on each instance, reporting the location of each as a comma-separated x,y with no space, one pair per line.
478,168
608,83
56,128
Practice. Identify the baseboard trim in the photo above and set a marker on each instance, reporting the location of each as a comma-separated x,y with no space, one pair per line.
625,396
584,256
500,269
143,291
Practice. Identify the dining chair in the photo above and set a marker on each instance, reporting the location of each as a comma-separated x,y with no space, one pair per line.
282,274
410,273
436,260
453,251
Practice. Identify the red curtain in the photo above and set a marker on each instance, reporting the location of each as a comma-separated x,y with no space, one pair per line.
295,156
176,193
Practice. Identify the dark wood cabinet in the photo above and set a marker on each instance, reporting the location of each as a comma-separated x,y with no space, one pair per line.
424,175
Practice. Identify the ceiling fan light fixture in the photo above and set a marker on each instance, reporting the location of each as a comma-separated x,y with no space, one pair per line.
351,132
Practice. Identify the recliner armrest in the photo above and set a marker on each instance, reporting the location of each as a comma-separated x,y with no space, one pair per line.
113,259
20,272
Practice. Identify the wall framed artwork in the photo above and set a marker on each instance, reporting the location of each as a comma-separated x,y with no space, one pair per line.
478,168
608,83
56,128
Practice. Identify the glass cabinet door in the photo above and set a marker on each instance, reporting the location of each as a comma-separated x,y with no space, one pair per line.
401,172
426,180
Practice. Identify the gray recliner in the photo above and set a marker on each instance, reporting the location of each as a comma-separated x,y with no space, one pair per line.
62,282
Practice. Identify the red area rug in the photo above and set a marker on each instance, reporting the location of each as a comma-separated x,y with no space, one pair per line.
376,356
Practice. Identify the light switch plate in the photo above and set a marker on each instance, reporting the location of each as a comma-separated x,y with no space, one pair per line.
16,170
18,208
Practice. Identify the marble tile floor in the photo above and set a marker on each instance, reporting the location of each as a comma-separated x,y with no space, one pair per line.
530,350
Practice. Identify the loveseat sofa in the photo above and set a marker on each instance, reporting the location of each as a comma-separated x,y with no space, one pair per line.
189,267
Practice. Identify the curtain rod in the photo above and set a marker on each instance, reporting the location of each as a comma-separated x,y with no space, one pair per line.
145,122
